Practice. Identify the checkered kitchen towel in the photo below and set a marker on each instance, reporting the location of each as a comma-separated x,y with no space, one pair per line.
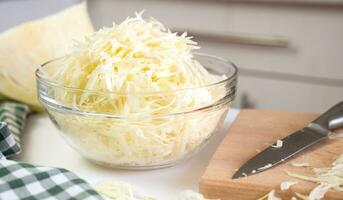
28,182
8,146
12,120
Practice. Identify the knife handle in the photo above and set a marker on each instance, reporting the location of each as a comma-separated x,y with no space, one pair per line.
331,119
336,123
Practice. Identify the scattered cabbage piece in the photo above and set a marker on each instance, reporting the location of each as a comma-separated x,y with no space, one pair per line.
338,135
270,196
278,144
294,164
303,177
116,190
190,195
318,192
301,196
327,178
287,184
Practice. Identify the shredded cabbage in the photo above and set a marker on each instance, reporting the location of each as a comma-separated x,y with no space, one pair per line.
294,164
139,70
287,184
301,196
190,195
318,192
270,196
279,144
136,56
327,178
116,190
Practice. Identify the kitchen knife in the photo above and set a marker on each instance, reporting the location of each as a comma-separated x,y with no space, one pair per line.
313,133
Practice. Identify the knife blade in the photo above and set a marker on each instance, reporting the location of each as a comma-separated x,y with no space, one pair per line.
313,133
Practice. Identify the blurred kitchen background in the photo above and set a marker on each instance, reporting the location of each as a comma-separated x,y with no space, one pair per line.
289,52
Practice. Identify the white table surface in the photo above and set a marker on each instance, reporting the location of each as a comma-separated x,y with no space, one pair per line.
42,145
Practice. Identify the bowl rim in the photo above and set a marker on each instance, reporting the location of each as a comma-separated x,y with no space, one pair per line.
45,80
134,116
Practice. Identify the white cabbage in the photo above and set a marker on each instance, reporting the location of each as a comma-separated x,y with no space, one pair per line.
287,184
116,190
279,144
24,47
139,71
270,196
327,178
294,164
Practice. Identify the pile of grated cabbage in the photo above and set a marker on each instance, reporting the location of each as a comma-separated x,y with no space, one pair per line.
137,71
117,190
327,178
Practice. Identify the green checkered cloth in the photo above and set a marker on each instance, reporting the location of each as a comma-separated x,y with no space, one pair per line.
28,182
24,181
8,146
12,121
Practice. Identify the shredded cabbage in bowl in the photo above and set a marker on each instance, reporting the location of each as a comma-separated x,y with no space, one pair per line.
134,95
136,56
139,143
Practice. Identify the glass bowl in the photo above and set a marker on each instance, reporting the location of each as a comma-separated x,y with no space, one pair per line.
139,140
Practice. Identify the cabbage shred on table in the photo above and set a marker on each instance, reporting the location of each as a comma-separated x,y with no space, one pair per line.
138,71
116,190
327,178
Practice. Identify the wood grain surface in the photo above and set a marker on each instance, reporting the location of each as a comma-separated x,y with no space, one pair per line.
253,131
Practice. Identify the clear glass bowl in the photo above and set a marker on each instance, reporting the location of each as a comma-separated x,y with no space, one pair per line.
139,140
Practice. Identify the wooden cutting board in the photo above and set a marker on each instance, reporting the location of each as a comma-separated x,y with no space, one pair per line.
252,131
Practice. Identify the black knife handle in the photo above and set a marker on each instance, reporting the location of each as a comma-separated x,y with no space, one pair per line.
332,114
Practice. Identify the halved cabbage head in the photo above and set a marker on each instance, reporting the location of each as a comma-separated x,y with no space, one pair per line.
24,47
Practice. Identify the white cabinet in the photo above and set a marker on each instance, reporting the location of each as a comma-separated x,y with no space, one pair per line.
287,96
